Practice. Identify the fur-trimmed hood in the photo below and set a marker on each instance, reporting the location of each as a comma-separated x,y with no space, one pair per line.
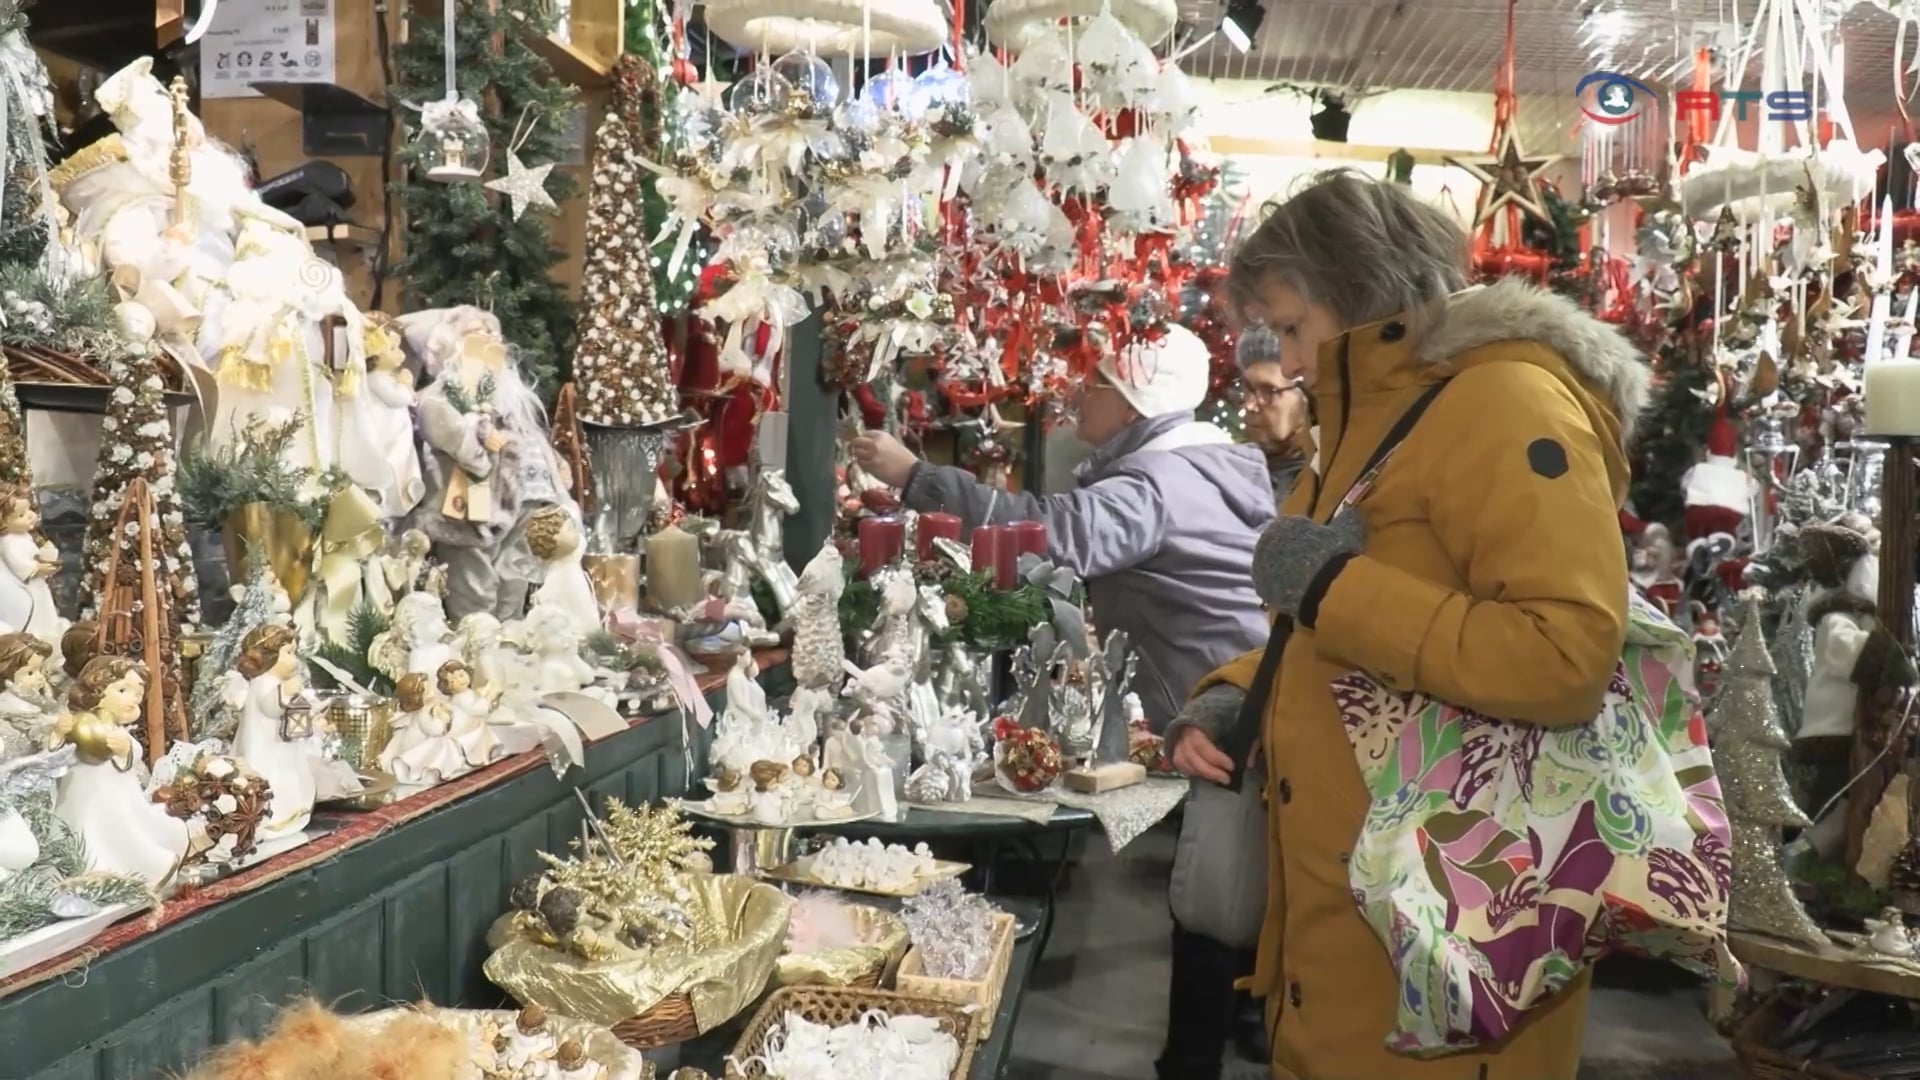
1514,310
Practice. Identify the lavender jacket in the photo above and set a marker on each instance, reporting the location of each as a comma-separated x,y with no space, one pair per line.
1161,524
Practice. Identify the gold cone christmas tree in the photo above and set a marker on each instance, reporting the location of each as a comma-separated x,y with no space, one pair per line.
1748,749
621,364
137,441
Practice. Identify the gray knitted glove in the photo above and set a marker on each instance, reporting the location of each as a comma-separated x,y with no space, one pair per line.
1211,711
1297,559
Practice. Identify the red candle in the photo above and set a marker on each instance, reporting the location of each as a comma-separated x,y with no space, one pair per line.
1030,538
1006,561
987,542
933,527
882,539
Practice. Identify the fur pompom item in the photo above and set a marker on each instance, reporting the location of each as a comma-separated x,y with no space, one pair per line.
821,922
414,1047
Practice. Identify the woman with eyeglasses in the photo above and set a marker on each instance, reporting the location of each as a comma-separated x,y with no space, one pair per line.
1277,416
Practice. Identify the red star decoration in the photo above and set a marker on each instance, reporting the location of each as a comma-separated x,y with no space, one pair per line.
1510,177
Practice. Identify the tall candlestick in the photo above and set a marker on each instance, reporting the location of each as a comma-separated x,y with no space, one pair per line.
1893,398
673,568
1030,538
882,541
936,526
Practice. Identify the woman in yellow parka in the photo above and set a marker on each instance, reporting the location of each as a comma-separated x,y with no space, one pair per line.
1483,567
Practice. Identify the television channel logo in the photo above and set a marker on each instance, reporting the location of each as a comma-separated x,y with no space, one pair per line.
1611,99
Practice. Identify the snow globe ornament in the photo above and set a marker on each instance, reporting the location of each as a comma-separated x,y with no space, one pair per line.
452,145
762,92
811,81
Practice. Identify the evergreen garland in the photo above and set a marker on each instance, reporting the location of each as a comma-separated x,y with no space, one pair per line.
988,618
463,246
27,899
364,623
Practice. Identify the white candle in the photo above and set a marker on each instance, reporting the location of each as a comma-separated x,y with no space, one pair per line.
1893,398
673,567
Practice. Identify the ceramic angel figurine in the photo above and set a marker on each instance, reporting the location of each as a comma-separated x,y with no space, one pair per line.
420,751
550,636
25,776
417,642
404,562
264,680
1888,934
377,444
554,538
479,644
101,798
471,709
26,698
530,1044
26,602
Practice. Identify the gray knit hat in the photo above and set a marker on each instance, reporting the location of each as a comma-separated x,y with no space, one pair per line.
1257,345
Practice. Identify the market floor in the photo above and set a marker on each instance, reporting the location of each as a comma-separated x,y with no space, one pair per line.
1097,1006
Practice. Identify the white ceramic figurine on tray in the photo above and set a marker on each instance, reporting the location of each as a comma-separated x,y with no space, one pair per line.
554,538
101,798
264,681
26,602
26,698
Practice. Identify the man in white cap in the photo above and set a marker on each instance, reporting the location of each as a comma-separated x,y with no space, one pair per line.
1161,523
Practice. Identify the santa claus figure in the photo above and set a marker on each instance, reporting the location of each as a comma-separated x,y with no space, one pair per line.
1719,494
1653,563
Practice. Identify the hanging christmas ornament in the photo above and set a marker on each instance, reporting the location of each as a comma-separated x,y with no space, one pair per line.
452,145
1511,177
524,187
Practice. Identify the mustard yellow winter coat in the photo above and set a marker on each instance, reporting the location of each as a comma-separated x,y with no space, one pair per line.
1493,577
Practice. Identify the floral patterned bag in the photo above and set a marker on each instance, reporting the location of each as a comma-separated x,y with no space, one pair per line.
1499,859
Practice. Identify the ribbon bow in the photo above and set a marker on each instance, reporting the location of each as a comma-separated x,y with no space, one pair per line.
1058,584
441,113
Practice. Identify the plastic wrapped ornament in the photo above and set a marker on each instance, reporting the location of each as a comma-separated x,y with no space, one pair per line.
1174,101
1026,760
1125,72
1138,197
891,91
1005,135
1045,68
1077,153
761,92
452,145
811,80
988,81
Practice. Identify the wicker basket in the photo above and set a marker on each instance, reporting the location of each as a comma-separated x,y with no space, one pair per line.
837,1007
668,1022
982,995
1758,1059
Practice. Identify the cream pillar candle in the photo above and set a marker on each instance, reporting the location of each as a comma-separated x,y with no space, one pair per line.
673,568
1893,398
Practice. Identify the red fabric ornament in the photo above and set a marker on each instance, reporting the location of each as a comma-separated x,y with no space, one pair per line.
1704,521
1514,261
1028,760
684,72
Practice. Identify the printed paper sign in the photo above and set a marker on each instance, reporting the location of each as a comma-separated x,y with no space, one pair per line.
250,41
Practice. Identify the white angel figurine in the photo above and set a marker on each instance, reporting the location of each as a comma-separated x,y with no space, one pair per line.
417,642
746,699
548,633
26,776
101,798
377,445
265,678
26,603
479,645
26,699
404,563
422,750
470,711
554,538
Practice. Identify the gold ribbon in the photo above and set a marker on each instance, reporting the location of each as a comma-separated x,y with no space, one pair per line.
348,537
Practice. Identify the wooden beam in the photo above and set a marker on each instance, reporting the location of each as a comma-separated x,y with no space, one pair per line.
1254,146
169,22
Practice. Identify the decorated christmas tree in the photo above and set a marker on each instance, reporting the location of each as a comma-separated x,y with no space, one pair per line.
1672,434
463,245
1748,750
137,442
1203,308
207,711
621,367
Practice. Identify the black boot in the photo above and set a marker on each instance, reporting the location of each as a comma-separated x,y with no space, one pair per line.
1200,1008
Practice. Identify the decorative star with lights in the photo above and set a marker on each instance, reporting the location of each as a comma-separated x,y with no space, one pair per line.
524,187
1510,177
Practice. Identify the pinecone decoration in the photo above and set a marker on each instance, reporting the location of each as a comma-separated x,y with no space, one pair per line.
1904,880
956,610
819,654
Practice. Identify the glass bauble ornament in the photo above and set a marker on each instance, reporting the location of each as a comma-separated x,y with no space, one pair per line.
811,76
762,91
940,85
452,145
888,91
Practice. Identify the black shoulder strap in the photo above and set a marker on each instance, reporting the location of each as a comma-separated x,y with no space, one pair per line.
1237,742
